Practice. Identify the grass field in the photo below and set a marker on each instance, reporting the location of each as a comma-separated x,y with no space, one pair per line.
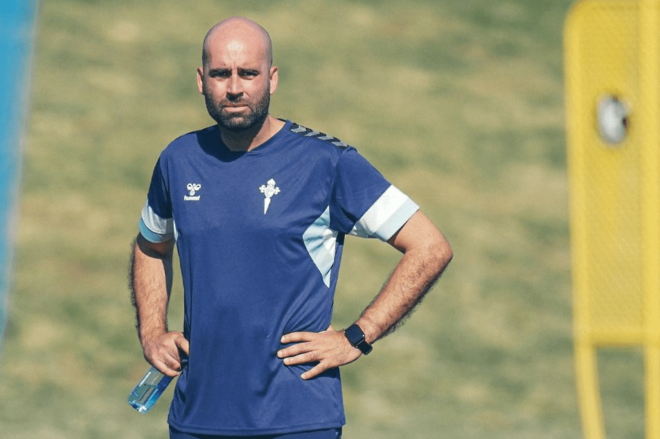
459,103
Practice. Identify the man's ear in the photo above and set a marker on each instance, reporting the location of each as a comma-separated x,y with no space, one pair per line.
200,79
274,78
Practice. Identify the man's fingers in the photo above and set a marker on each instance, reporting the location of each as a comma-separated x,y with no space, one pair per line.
166,368
306,357
295,337
183,344
314,371
292,351
164,352
329,349
174,360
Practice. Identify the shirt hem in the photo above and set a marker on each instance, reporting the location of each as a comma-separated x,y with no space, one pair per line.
257,432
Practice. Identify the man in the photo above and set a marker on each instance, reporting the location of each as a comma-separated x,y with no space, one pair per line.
258,208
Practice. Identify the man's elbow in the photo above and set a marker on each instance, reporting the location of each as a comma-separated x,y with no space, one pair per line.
160,250
440,253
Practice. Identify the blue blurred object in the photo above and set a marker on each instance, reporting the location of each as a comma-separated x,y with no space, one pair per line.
17,18
148,390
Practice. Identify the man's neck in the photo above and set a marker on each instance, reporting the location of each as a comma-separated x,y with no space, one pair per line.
247,140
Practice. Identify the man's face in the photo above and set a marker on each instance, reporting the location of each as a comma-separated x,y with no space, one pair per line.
236,83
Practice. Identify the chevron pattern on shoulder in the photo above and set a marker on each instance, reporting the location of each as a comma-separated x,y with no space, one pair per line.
304,131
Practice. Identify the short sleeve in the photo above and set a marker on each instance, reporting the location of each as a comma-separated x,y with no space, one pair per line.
364,203
156,222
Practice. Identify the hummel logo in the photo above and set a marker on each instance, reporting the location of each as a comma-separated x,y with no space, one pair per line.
192,189
269,190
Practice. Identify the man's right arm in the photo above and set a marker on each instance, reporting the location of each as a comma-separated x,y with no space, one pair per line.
151,283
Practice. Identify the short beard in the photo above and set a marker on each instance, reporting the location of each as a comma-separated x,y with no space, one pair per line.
254,119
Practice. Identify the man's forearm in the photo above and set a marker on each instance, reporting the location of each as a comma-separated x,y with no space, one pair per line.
151,283
426,253
413,277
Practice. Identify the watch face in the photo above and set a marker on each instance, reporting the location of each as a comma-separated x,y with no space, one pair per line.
354,334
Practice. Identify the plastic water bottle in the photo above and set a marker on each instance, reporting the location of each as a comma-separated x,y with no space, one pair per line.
148,390
151,386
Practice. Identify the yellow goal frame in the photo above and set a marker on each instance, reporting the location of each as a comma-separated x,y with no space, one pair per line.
613,126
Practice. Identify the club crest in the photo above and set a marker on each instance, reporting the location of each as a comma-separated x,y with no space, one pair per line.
269,190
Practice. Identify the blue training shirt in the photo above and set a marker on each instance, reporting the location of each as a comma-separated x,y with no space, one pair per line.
260,236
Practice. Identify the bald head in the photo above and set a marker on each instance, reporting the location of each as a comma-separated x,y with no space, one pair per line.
240,29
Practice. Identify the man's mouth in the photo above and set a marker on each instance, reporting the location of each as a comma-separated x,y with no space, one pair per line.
234,108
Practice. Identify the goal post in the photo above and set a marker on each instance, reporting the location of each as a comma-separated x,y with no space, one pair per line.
613,135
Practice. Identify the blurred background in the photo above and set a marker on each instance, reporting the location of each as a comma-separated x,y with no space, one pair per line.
458,103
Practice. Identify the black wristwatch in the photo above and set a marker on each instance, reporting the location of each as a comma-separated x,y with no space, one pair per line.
356,338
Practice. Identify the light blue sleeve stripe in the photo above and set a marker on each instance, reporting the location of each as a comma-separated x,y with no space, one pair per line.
386,216
397,220
152,236
153,227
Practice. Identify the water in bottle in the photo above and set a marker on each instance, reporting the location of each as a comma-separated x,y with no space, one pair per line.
148,390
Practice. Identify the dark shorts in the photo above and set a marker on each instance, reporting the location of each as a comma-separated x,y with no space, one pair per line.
331,433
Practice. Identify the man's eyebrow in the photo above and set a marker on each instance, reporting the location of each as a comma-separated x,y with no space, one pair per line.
229,69
248,70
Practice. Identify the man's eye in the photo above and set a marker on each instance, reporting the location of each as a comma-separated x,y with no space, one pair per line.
220,74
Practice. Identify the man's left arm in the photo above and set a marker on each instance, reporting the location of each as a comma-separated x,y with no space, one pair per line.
426,253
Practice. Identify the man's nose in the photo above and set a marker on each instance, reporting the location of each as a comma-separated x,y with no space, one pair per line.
235,87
